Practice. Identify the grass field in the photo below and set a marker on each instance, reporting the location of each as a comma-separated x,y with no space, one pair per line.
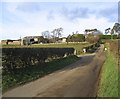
76,46
109,78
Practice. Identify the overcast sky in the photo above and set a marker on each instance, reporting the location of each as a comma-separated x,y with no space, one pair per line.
32,18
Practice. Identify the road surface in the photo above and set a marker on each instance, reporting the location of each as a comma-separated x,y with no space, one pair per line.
79,79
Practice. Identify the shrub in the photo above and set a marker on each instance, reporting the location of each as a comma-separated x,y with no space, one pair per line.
15,58
92,38
92,47
107,36
76,38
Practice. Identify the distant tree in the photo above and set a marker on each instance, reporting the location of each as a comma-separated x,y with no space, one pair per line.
41,39
112,33
68,39
56,33
92,35
90,31
107,31
76,32
81,37
53,35
116,29
59,32
46,40
86,31
76,38
91,38
72,33
46,34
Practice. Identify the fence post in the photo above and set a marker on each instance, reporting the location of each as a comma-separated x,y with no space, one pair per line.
75,52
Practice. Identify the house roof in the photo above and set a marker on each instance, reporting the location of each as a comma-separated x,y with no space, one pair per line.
64,38
31,37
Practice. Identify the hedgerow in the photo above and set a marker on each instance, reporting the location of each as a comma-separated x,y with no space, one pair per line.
16,58
107,37
91,46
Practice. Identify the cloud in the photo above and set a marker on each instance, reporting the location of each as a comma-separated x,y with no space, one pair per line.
61,0
119,11
110,13
50,15
28,7
24,19
99,10
76,13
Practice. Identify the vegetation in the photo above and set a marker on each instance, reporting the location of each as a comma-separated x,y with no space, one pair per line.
22,64
90,30
76,46
91,38
53,36
108,36
16,58
107,31
27,74
76,38
109,81
93,49
114,30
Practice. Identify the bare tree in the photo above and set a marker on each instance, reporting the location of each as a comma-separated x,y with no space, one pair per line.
116,29
46,34
57,33
53,34
76,32
107,31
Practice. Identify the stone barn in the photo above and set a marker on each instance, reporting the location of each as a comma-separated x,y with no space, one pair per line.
29,40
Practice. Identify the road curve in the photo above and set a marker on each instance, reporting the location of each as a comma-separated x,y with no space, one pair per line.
79,79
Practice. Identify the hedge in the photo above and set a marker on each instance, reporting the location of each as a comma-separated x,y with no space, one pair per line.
114,47
91,46
15,58
107,36
76,38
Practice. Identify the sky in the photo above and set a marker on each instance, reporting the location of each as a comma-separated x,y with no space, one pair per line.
20,19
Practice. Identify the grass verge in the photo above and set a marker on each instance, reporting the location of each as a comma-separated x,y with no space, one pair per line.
109,82
29,74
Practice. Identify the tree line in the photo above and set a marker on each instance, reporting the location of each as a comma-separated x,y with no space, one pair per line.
114,30
90,35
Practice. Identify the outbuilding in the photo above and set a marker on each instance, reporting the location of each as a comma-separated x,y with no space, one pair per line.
28,40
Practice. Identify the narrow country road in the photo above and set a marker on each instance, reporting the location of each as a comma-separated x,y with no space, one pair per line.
79,79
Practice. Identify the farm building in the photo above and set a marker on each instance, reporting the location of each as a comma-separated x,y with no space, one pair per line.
11,42
28,40
63,40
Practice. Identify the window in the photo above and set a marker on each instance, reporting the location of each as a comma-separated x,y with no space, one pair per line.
31,40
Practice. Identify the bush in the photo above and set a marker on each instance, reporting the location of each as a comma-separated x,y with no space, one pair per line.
107,36
76,38
15,58
91,48
25,75
91,38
